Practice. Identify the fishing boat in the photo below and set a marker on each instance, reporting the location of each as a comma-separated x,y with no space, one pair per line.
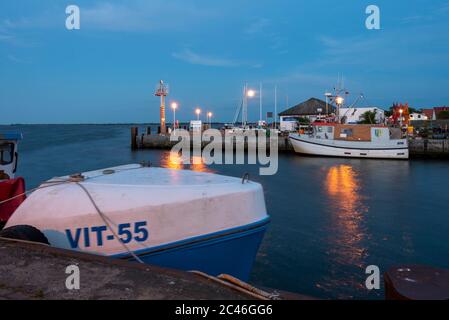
178,219
334,138
350,140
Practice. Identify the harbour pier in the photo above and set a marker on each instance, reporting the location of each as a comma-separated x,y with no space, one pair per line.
419,147
162,141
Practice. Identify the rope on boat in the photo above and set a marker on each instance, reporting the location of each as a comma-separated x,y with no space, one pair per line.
54,182
48,184
77,179
107,222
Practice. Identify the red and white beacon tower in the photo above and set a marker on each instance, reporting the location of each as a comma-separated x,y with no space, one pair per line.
162,91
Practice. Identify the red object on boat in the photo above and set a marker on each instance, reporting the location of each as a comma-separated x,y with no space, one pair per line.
9,189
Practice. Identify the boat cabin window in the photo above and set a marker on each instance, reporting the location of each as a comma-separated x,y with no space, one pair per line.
330,129
6,153
347,132
319,129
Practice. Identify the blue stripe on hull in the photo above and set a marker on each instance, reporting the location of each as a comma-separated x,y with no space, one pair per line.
232,254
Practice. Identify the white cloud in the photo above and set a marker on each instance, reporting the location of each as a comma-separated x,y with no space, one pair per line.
411,47
263,28
15,59
144,16
130,16
191,57
258,26
432,15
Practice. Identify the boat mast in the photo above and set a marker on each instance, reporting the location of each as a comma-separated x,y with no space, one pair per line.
244,107
260,94
275,105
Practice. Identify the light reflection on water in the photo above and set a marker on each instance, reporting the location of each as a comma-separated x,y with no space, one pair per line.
347,209
173,160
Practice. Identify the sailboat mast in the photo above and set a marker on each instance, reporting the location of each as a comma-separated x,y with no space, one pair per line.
275,105
260,115
244,105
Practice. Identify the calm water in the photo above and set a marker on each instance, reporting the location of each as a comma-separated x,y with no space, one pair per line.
330,217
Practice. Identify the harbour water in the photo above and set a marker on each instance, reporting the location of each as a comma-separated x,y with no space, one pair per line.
331,218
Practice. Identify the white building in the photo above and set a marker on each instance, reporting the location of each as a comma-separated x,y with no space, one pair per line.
355,115
418,116
312,110
196,125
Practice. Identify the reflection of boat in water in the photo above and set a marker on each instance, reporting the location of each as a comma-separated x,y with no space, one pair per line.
179,219
336,139
348,140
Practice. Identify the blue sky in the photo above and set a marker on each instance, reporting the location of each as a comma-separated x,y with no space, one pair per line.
107,71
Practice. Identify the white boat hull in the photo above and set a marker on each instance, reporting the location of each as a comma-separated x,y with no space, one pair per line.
395,149
172,218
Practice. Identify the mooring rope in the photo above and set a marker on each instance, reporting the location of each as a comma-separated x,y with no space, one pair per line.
53,183
77,179
107,222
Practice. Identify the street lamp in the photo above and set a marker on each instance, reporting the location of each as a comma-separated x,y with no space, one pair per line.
251,93
198,112
248,93
209,116
174,106
339,100
401,111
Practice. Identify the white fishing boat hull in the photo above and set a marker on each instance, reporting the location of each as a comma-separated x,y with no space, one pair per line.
172,218
392,149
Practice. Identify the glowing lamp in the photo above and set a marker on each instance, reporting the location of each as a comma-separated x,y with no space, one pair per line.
251,93
339,100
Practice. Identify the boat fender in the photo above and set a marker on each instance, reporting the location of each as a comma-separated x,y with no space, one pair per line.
24,232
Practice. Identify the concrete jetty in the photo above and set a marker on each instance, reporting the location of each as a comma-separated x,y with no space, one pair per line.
31,271
35,271
419,148
429,148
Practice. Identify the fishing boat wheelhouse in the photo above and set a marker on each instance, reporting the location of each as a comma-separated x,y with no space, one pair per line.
8,154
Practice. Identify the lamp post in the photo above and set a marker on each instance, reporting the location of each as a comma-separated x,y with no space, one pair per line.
249,93
339,101
401,111
198,112
174,106
209,116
